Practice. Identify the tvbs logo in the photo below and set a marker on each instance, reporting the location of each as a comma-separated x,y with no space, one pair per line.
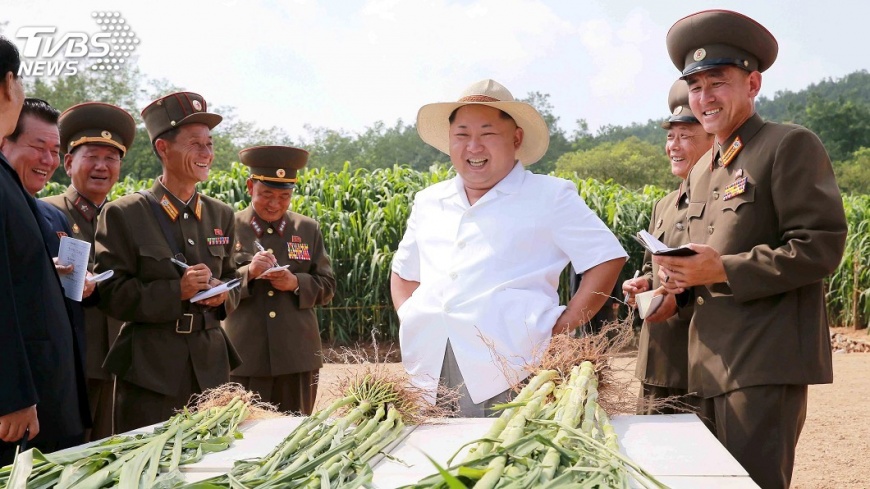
47,52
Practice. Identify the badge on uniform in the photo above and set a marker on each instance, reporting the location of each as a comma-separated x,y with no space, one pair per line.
218,232
297,250
735,189
729,155
218,241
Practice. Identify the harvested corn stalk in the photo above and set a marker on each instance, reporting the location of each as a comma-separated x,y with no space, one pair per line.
334,452
549,436
143,460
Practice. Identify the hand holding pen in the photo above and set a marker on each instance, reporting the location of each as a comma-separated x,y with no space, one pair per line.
633,287
194,279
262,261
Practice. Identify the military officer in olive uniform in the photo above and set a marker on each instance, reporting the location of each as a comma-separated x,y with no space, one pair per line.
169,347
275,326
662,354
95,137
768,220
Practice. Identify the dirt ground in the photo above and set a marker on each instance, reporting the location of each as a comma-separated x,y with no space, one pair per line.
834,447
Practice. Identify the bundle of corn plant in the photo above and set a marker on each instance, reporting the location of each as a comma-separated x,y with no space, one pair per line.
209,424
334,446
555,432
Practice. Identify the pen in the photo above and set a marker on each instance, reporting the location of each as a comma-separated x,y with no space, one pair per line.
260,247
22,445
185,266
628,294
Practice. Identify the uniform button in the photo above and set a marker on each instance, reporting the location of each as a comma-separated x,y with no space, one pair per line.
270,250
659,224
270,230
715,195
272,314
700,301
190,241
461,244
270,293
710,229
453,275
185,215
680,226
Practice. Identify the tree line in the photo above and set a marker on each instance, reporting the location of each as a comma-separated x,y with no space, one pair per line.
838,110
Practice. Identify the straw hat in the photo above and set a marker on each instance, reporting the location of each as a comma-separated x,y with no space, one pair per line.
433,123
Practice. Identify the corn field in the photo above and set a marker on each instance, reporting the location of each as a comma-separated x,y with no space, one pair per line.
363,214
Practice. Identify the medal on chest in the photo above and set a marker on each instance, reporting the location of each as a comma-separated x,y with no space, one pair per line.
297,250
735,189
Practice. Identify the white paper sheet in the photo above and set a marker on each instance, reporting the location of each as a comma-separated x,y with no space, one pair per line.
648,302
273,270
74,252
205,294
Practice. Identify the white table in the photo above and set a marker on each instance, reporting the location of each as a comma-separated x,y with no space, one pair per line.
677,449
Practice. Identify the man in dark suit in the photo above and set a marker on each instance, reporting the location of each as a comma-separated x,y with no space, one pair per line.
766,220
41,394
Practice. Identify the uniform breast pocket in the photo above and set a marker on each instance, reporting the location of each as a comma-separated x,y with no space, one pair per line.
242,258
151,258
735,202
695,210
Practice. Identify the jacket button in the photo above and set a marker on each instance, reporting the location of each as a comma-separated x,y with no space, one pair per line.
270,293
680,226
710,229
272,314
715,195
700,301
190,241
270,230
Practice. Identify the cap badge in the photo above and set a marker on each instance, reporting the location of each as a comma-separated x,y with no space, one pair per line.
280,173
700,54
196,105
106,135
678,109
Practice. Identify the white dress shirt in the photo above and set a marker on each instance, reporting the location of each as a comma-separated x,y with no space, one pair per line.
488,276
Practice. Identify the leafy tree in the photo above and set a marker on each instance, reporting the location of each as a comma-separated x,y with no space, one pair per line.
559,143
853,175
383,147
842,125
788,106
631,162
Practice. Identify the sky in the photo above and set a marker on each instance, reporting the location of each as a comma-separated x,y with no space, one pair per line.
345,65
